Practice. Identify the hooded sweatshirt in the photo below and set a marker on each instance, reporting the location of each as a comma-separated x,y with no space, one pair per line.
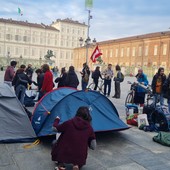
72,145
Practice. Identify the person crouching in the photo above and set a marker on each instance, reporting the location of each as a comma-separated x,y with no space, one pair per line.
76,135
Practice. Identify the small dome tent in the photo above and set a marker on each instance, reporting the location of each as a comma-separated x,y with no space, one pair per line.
15,125
104,114
46,105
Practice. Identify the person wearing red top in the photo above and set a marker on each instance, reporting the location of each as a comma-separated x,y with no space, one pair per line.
76,136
48,80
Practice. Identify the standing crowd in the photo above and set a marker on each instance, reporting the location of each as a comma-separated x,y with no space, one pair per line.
77,134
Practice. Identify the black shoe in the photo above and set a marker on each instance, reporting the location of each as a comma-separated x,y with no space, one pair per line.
113,96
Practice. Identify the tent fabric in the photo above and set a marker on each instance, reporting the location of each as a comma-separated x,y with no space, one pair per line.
46,104
104,114
15,125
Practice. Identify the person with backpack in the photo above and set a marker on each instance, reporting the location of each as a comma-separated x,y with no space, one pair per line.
140,92
20,83
76,136
157,83
85,76
118,79
95,76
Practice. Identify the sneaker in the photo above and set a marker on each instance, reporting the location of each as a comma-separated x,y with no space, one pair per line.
59,168
75,167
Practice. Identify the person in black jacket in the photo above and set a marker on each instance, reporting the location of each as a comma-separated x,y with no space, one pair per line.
20,83
95,76
40,78
29,71
117,80
61,80
157,83
71,79
166,90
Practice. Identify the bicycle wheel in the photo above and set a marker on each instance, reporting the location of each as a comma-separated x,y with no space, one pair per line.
101,89
91,86
129,99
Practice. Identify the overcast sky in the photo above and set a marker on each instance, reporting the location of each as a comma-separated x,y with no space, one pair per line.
111,18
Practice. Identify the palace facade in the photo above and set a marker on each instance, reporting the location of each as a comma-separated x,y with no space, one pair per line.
29,42
146,51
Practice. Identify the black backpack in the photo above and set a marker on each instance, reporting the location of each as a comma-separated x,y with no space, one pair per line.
122,77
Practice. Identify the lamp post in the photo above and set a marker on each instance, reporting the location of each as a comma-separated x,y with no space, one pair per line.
87,44
88,40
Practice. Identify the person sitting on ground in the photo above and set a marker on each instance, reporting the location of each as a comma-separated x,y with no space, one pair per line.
76,135
20,83
95,76
9,73
61,80
71,78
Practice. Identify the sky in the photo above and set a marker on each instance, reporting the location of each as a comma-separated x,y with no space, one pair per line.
111,19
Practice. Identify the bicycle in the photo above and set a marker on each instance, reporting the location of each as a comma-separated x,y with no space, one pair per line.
100,87
130,96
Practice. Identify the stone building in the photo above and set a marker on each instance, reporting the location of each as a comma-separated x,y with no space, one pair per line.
147,51
29,42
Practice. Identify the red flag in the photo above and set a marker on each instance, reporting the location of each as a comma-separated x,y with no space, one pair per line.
96,54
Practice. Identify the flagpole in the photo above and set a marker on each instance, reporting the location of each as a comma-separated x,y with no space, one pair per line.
88,39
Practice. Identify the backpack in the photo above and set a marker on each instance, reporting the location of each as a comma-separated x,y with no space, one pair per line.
122,77
86,77
161,118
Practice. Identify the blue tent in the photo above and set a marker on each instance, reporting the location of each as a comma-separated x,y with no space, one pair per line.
104,114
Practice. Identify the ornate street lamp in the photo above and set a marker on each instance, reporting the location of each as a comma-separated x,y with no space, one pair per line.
88,40
87,43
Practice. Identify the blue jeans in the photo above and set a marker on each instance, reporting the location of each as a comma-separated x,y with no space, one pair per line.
20,93
158,97
107,83
83,85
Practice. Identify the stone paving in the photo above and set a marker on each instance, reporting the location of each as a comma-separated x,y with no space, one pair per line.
125,150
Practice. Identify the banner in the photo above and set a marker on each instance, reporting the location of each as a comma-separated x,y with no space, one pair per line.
96,54
88,3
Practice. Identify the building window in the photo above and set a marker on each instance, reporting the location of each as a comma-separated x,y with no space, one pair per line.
25,38
164,49
122,52
33,52
156,50
117,52
25,51
146,50
16,51
140,51
111,53
16,37
133,52
8,36
128,52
